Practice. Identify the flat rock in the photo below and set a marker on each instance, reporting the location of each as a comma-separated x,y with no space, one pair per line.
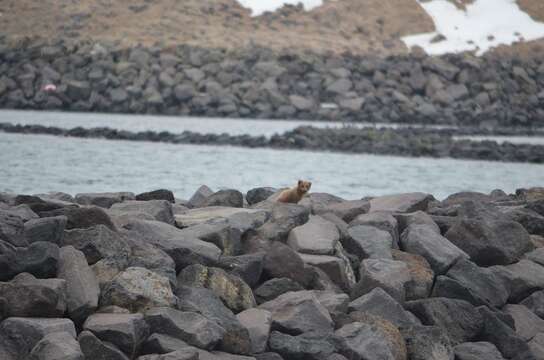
160,194
258,323
55,346
298,312
401,203
97,242
160,210
49,229
202,215
416,218
390,275
125,331
467,281
382,220
427,343
103,200
273,288
190,327
379,303
477,351
26,296
317,237
93,348
436,249
369,242
337,268
421,275
231,198
218,232
527,323
138,289
461,321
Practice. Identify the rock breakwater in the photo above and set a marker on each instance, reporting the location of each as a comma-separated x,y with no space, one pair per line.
413,142
149,277
259,83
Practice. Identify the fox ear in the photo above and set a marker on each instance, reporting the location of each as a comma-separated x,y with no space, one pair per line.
300,182
309,183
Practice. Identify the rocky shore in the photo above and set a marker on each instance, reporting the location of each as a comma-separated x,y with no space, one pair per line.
490,91
226,275
413,142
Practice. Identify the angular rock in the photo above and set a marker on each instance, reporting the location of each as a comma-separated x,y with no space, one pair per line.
125,331
203,301
469,282
273,288
234,292
202,215
82,289
248,267
520,279
190,327
532,221
269,356
97,242
369,242
380,220
527,323
26,296
162,344
49,229
461,321
338,269
39,259
436,249
149,257
318,237
85,217
421,275
138,289
298,312
536,256
93,348
415,218
535,303
25,333
183,249
160,210
188,353
490,241
199,197
427,343
310,345
55,346
477,351
23,211
230,198
103,200
161,194
346,210
401,203
381,304
257,195
258,323
283,218
218,232
360,341
390,275
281,261
537,346
12,229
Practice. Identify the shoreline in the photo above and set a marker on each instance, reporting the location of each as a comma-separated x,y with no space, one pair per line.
407,142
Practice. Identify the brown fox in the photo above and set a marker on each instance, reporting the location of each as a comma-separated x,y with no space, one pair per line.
294,195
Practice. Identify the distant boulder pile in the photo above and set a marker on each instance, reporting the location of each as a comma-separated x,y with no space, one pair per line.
227,275
460,89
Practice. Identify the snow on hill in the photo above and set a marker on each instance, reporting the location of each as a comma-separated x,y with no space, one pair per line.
258,7
480,26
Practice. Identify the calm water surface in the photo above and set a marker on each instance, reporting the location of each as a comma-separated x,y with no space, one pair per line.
41,163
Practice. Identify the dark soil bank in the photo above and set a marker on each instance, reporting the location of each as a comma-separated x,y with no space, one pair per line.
412,142
259,83
232,276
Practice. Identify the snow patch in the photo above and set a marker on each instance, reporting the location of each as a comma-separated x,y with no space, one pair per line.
258,7
483,25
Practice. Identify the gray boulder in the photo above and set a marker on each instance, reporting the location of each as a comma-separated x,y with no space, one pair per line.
125,331
520,279
436,249
230,198
527,324
49,229
427,343
537,346
469,282
103,200
416,218
368,242
379,303
40,259
421,275
85,217
536,256
282,262
346,210
359,341
160,194
461,321
188,353
273,288
310,345
160,210
199,197
381,220
93,348
298,312
162,344
190,327
12,229
248,267
283,218
138,289
390,275
26,296
318,237
338,268
97,242
82,289
218,232
535,302
240,218
234,292
401,203
259,194
258,323
477,351
56,346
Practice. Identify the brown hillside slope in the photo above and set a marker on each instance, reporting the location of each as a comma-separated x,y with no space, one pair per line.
359,26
